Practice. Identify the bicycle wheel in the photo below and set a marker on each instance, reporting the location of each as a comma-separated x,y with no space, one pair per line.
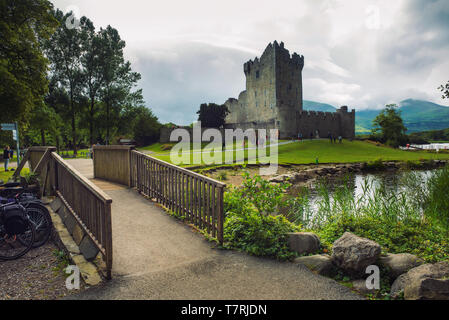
12,246
40,217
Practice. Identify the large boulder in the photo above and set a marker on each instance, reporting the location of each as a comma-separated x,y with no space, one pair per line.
304,242
401,263
354,254
426,282
321,264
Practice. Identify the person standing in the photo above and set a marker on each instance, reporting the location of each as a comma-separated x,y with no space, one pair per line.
6,157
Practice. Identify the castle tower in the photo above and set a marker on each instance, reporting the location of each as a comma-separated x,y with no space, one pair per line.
274,88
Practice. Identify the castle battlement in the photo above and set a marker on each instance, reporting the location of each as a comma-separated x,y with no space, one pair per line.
273,98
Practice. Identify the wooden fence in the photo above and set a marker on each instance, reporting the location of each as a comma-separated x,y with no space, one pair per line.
88,204
197,198
112,163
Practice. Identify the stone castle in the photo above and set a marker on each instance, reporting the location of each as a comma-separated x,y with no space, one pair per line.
274,100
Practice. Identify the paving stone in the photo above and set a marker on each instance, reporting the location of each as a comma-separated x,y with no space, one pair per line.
88,249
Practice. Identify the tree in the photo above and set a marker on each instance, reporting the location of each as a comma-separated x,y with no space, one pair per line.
91,61
147,127
389,127
23,67
118,76
212,115
445,90
64,50
45,120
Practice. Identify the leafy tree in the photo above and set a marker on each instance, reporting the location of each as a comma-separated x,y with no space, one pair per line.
119,79
212,115
91,61
389,127
445,90
146,128
64,50
23,67
45,120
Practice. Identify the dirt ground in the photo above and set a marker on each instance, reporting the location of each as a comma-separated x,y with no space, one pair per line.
39,275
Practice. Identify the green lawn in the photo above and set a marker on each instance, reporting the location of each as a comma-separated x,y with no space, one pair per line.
306,153
5,176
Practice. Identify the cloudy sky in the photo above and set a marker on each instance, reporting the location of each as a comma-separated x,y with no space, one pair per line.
363,54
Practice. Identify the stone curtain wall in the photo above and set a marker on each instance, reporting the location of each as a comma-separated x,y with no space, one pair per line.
337,123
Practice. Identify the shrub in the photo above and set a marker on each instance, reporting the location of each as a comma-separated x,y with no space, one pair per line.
258,234
250,225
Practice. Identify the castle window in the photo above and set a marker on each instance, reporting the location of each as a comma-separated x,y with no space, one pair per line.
257,74
255,93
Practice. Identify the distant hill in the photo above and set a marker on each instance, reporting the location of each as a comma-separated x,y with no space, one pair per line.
316,106
418,115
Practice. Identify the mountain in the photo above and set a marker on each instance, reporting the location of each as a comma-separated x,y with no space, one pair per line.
316,106
418,115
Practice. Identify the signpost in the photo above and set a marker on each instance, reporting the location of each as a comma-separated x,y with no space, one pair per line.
14,127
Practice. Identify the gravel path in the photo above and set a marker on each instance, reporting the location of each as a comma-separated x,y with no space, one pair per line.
36,276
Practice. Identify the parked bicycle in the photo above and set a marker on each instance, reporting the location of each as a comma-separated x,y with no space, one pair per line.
37,213
17,231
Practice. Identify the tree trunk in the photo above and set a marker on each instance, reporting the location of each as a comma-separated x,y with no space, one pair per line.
75,151
91,125
107,123
43,138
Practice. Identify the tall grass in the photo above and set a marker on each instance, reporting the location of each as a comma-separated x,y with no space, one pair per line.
411,217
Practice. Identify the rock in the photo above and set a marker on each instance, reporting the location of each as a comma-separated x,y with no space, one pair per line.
56,204
426,282
401,263
360,286
78,234
304,242
321,264
88,249
354,254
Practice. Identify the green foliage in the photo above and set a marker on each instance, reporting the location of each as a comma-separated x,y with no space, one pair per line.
437,202
429,136
146,127
23,67
257,193
389,127
249,223
222,176
212,115
377,164
258,234
399,221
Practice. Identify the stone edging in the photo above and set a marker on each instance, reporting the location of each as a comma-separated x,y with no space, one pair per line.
75,244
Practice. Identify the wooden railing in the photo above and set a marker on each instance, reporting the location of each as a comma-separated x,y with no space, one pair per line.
88,204
197,198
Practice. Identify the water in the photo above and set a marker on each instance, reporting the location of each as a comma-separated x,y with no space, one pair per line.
431,146
393,182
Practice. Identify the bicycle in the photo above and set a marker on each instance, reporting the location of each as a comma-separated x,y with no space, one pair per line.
37,213
17,232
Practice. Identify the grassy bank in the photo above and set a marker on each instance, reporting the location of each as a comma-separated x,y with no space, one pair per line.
307,152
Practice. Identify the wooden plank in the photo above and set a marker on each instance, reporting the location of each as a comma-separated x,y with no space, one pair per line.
22,164
43,162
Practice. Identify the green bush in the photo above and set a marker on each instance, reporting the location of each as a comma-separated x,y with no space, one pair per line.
250,224
259,235
423,239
